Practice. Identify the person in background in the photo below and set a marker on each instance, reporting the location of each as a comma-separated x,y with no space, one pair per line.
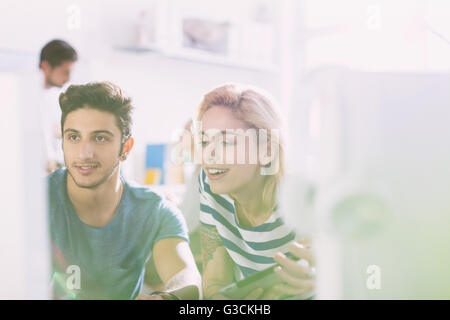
242,229
56,62
103,228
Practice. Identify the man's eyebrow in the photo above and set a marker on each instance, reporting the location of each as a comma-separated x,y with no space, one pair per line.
103,131
94,132
71,130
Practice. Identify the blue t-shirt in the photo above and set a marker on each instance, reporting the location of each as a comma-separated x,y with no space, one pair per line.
109,260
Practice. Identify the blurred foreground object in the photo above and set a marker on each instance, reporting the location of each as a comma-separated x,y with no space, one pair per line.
371,183
24,250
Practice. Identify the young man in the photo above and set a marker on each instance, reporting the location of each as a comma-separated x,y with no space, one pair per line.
56,61
104,229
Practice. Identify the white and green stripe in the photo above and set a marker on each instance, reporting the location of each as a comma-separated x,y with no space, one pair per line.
252,249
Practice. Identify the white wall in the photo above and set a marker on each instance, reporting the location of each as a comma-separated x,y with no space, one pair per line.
382,35
165,91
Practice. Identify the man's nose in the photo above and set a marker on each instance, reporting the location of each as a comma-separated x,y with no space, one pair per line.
86,150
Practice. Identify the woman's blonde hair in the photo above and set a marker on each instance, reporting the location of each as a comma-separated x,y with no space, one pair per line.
258,110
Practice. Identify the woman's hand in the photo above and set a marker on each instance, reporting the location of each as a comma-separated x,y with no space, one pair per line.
299,278
143,296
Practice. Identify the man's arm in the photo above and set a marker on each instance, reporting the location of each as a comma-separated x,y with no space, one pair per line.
176,267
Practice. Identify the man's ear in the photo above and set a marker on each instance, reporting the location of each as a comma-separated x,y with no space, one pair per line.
45,66
128,145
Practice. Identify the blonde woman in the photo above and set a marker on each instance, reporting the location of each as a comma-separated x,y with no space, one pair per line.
242,153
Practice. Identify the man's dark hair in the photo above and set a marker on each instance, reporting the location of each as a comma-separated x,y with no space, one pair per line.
103,96
57,52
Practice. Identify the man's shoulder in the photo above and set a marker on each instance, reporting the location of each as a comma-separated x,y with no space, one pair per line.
56,194
144,195
56,178
142,192
152,207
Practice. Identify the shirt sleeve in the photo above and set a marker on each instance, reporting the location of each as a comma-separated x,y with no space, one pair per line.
172,223
206,218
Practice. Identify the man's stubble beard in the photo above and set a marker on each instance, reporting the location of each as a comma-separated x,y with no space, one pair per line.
102,180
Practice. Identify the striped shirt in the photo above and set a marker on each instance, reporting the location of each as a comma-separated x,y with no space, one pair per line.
252,249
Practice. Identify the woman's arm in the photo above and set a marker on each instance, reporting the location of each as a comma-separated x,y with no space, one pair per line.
217,264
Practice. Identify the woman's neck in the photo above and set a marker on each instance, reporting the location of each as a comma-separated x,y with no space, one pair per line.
249,205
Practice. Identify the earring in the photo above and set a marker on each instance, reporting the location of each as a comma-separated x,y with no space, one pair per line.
124,157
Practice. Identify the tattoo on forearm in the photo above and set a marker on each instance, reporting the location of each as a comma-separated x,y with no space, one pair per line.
210,240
